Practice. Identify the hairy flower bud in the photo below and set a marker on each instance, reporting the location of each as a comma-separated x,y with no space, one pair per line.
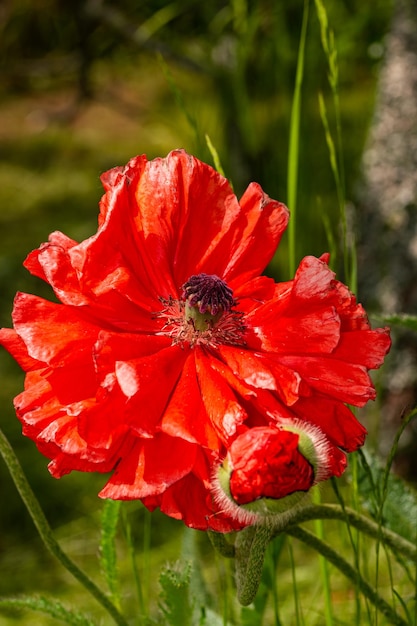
268,471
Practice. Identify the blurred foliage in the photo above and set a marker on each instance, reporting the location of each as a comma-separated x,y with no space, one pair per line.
231,68
397,509
83,88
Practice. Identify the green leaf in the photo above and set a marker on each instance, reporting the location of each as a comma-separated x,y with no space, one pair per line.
400,319
182,603
108,556
176,604
191,553
50,607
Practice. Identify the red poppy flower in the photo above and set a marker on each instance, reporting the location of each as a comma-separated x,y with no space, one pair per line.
167,344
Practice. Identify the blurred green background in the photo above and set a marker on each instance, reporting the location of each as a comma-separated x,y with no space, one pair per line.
87,85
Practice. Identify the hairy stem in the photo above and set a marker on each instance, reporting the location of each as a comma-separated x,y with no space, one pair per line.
355,519
45,530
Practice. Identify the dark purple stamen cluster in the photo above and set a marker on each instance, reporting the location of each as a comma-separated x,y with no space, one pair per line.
208,292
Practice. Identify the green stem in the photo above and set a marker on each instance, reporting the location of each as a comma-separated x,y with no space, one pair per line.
347,570
45,530
251,544
362,523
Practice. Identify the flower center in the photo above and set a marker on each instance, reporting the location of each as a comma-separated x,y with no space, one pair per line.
207,298
204,315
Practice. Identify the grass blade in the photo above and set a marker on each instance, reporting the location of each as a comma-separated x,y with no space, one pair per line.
324,566
49,607
215,156
294,143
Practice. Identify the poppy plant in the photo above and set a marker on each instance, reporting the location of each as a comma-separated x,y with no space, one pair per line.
167,344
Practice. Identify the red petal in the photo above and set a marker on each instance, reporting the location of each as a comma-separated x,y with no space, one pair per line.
180,210
61,442
365,347
115,259
184,215
313,280
191,500
75,381
185,415
149,466
84,436
221,405
148,383
56,240
268,310
264,372
252,293
36,407
121,295
344,381
241,388
262,405
53,333
118,177
11,341
290,384
62,463
316,332
266,221
335,419
101,420
203,515
337,461
111,347
63,432
249,367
